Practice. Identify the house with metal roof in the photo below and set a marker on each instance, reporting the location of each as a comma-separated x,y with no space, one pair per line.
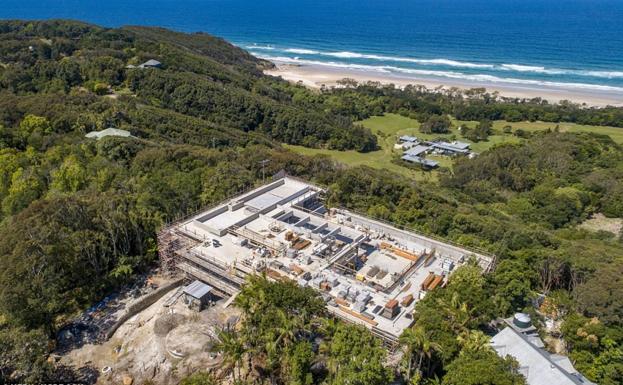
426,163
454,148
417,150
108,132
197,295
408,138
151,63
520,340
461,145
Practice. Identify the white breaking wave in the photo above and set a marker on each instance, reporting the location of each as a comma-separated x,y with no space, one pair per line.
536,69
262,47
302,51
605,74
355,55
449,63
446,74
560,71
296,60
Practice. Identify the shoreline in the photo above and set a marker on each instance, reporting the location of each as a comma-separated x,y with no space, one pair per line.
316,76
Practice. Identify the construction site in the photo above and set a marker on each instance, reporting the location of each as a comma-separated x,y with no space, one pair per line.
367,271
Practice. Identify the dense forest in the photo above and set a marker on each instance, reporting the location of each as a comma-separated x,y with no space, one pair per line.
79,216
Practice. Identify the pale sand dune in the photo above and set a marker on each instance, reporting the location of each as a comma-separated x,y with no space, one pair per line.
315,76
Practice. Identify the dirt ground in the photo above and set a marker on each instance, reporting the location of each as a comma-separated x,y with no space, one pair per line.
159,345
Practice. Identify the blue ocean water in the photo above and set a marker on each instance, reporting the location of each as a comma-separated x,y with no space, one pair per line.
561,43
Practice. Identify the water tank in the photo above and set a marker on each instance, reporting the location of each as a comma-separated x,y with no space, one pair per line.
522,320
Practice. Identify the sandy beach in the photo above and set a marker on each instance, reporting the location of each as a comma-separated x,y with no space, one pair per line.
316,76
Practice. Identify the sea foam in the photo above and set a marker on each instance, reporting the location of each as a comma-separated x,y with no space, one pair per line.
519,68
479,78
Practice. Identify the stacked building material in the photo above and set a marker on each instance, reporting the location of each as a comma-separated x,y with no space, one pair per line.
427,281
391,309
406,301
438,280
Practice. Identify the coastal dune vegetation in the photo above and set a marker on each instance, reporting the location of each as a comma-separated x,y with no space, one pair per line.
79,216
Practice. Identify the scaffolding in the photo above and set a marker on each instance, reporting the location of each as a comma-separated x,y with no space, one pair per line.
170,243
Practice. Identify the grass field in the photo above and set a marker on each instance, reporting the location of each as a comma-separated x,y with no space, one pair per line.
390,126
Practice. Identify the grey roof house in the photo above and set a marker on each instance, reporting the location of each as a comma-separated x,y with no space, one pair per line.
540,367
408,138
426,163
151,63
454,148
197,294
111,131
417,150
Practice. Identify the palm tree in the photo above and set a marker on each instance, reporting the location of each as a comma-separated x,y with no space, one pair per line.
458,312
433,381
418,345
474,341
287,329
273,358
233,349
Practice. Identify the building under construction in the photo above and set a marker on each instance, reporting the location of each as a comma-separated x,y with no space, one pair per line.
368,272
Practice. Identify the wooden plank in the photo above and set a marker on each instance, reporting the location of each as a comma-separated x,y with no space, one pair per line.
359,316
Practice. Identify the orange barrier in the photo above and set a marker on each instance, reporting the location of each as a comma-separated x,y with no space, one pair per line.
399,252
273,274
300,244
341,301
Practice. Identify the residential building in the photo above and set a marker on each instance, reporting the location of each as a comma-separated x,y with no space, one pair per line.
521,341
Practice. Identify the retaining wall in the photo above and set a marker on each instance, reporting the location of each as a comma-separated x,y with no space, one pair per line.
142,304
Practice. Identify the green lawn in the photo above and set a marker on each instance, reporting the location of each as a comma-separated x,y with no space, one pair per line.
381,159
616,133
387,128
390,126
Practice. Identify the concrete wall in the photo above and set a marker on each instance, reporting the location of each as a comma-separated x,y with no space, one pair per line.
211,214
209,229
297,194
246,220
260,191
142,304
